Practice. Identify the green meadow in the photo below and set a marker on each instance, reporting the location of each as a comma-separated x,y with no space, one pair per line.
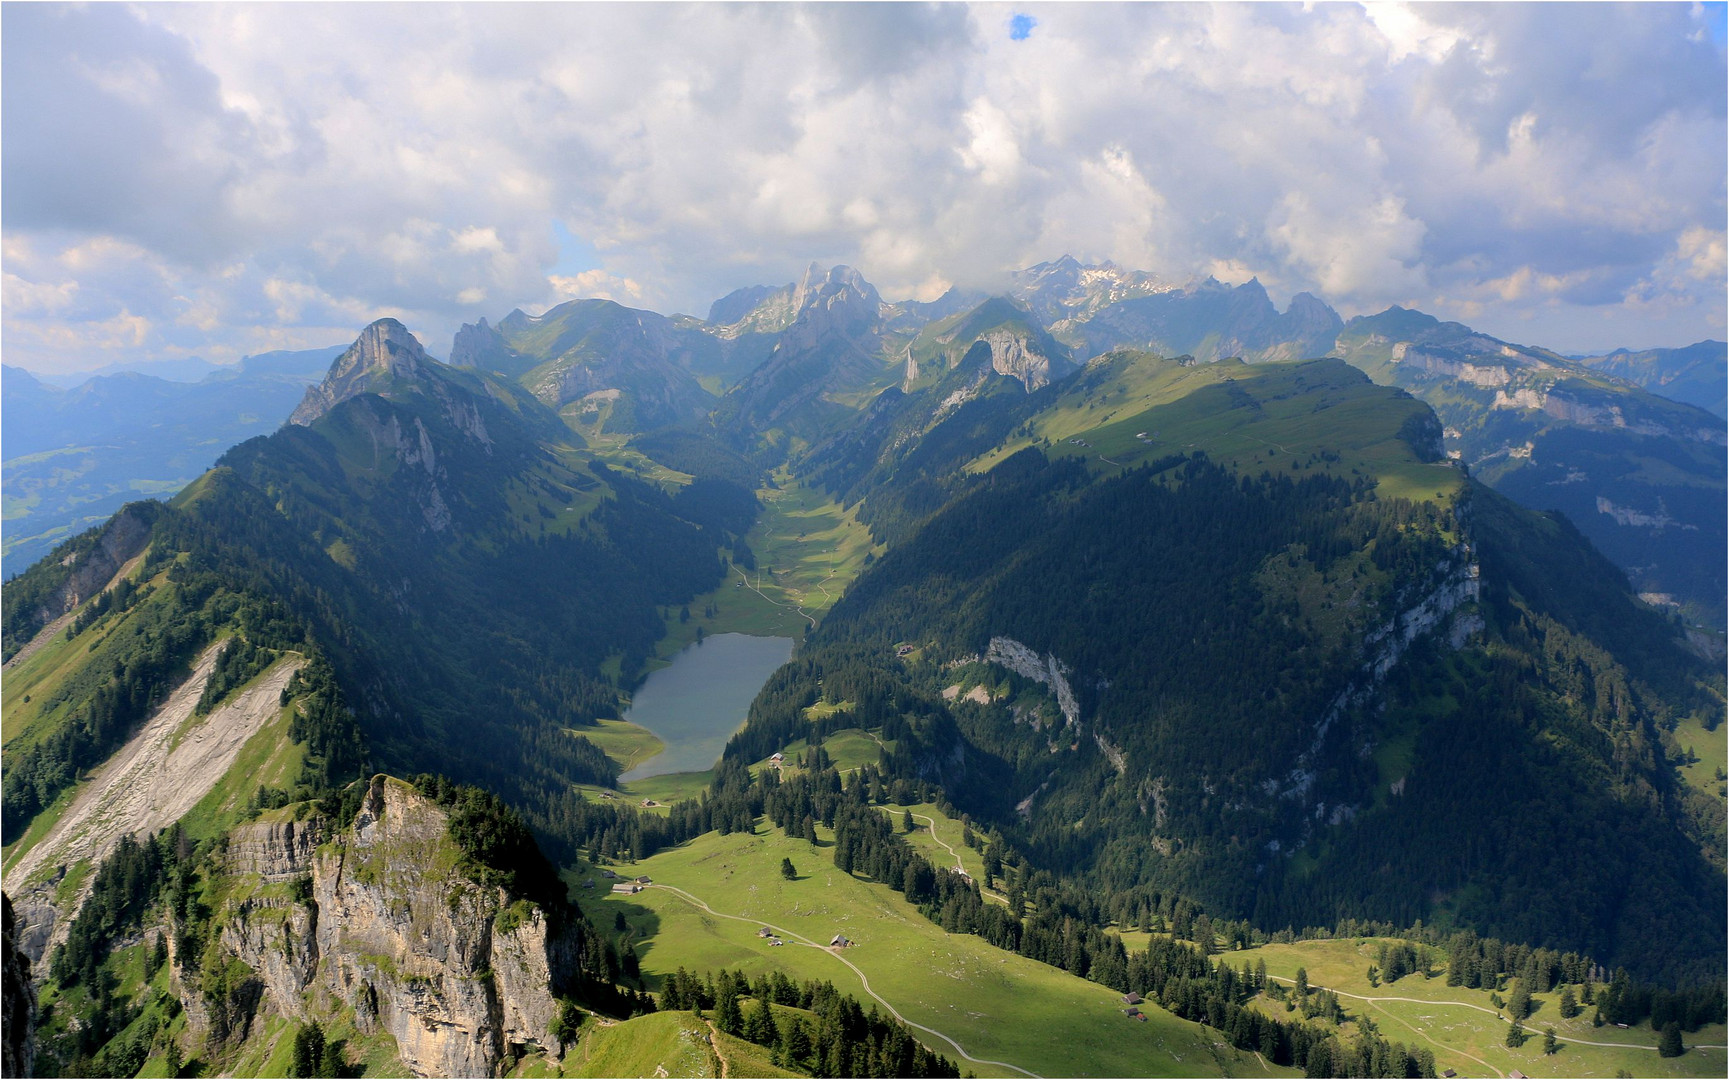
1011,1016
808,549
1131,409
1462,1026
628,744
1711,748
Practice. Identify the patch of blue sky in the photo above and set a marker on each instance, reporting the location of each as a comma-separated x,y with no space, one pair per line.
574,255
1021,27
1715,16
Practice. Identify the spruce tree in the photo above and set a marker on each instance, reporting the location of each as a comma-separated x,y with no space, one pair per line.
787,870
308,1050
1569,1003
1515,1035
1519,1002
1669,1044
1550,1043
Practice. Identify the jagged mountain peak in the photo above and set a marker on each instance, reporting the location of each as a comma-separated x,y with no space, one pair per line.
384,350
836,285
1000,334
1067,288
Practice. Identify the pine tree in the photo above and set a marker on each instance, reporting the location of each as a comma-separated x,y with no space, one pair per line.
727,1015
788,870
1515,1035
759,1024
308,1050
1669,1044
1550,1043
907,821
1569,1004
1519,1002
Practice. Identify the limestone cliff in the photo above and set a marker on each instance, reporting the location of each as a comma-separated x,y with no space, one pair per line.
17,1004
381,920
383,350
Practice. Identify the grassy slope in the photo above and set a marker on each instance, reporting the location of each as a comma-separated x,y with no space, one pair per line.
39,675
808,550
997,1005
1466,1038
626,743
1249,417
1712,749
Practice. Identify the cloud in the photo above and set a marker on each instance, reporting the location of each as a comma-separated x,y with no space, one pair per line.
597,284
232,174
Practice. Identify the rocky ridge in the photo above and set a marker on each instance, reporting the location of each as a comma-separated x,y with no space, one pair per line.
382,920
383,350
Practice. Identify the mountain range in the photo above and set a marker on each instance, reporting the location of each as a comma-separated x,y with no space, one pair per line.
75,455
1201,621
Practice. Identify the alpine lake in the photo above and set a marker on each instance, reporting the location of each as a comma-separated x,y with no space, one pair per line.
696,703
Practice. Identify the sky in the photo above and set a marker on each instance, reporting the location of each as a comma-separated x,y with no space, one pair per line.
217,180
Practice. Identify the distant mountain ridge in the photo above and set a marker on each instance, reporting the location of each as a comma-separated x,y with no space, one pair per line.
1697,374
74,456
1554,433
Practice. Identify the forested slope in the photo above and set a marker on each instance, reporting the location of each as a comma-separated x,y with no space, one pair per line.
1278,690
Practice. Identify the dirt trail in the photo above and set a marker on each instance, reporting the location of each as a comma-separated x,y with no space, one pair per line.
153,780
800,939
1498,1014
714,1044
776,603
960,867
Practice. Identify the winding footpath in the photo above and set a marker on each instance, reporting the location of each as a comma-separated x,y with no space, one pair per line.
765,596
1485,1009
960,868
800,939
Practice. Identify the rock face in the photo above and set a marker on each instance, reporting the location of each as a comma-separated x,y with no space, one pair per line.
831,344
598,352
381,919
17,1005
1209,320
1027,663
92,571
1016,356
997,336
383,350
1065,289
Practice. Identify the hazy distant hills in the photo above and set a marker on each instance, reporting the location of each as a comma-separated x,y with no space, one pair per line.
1639,474
1614,441
1696,375
73,456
